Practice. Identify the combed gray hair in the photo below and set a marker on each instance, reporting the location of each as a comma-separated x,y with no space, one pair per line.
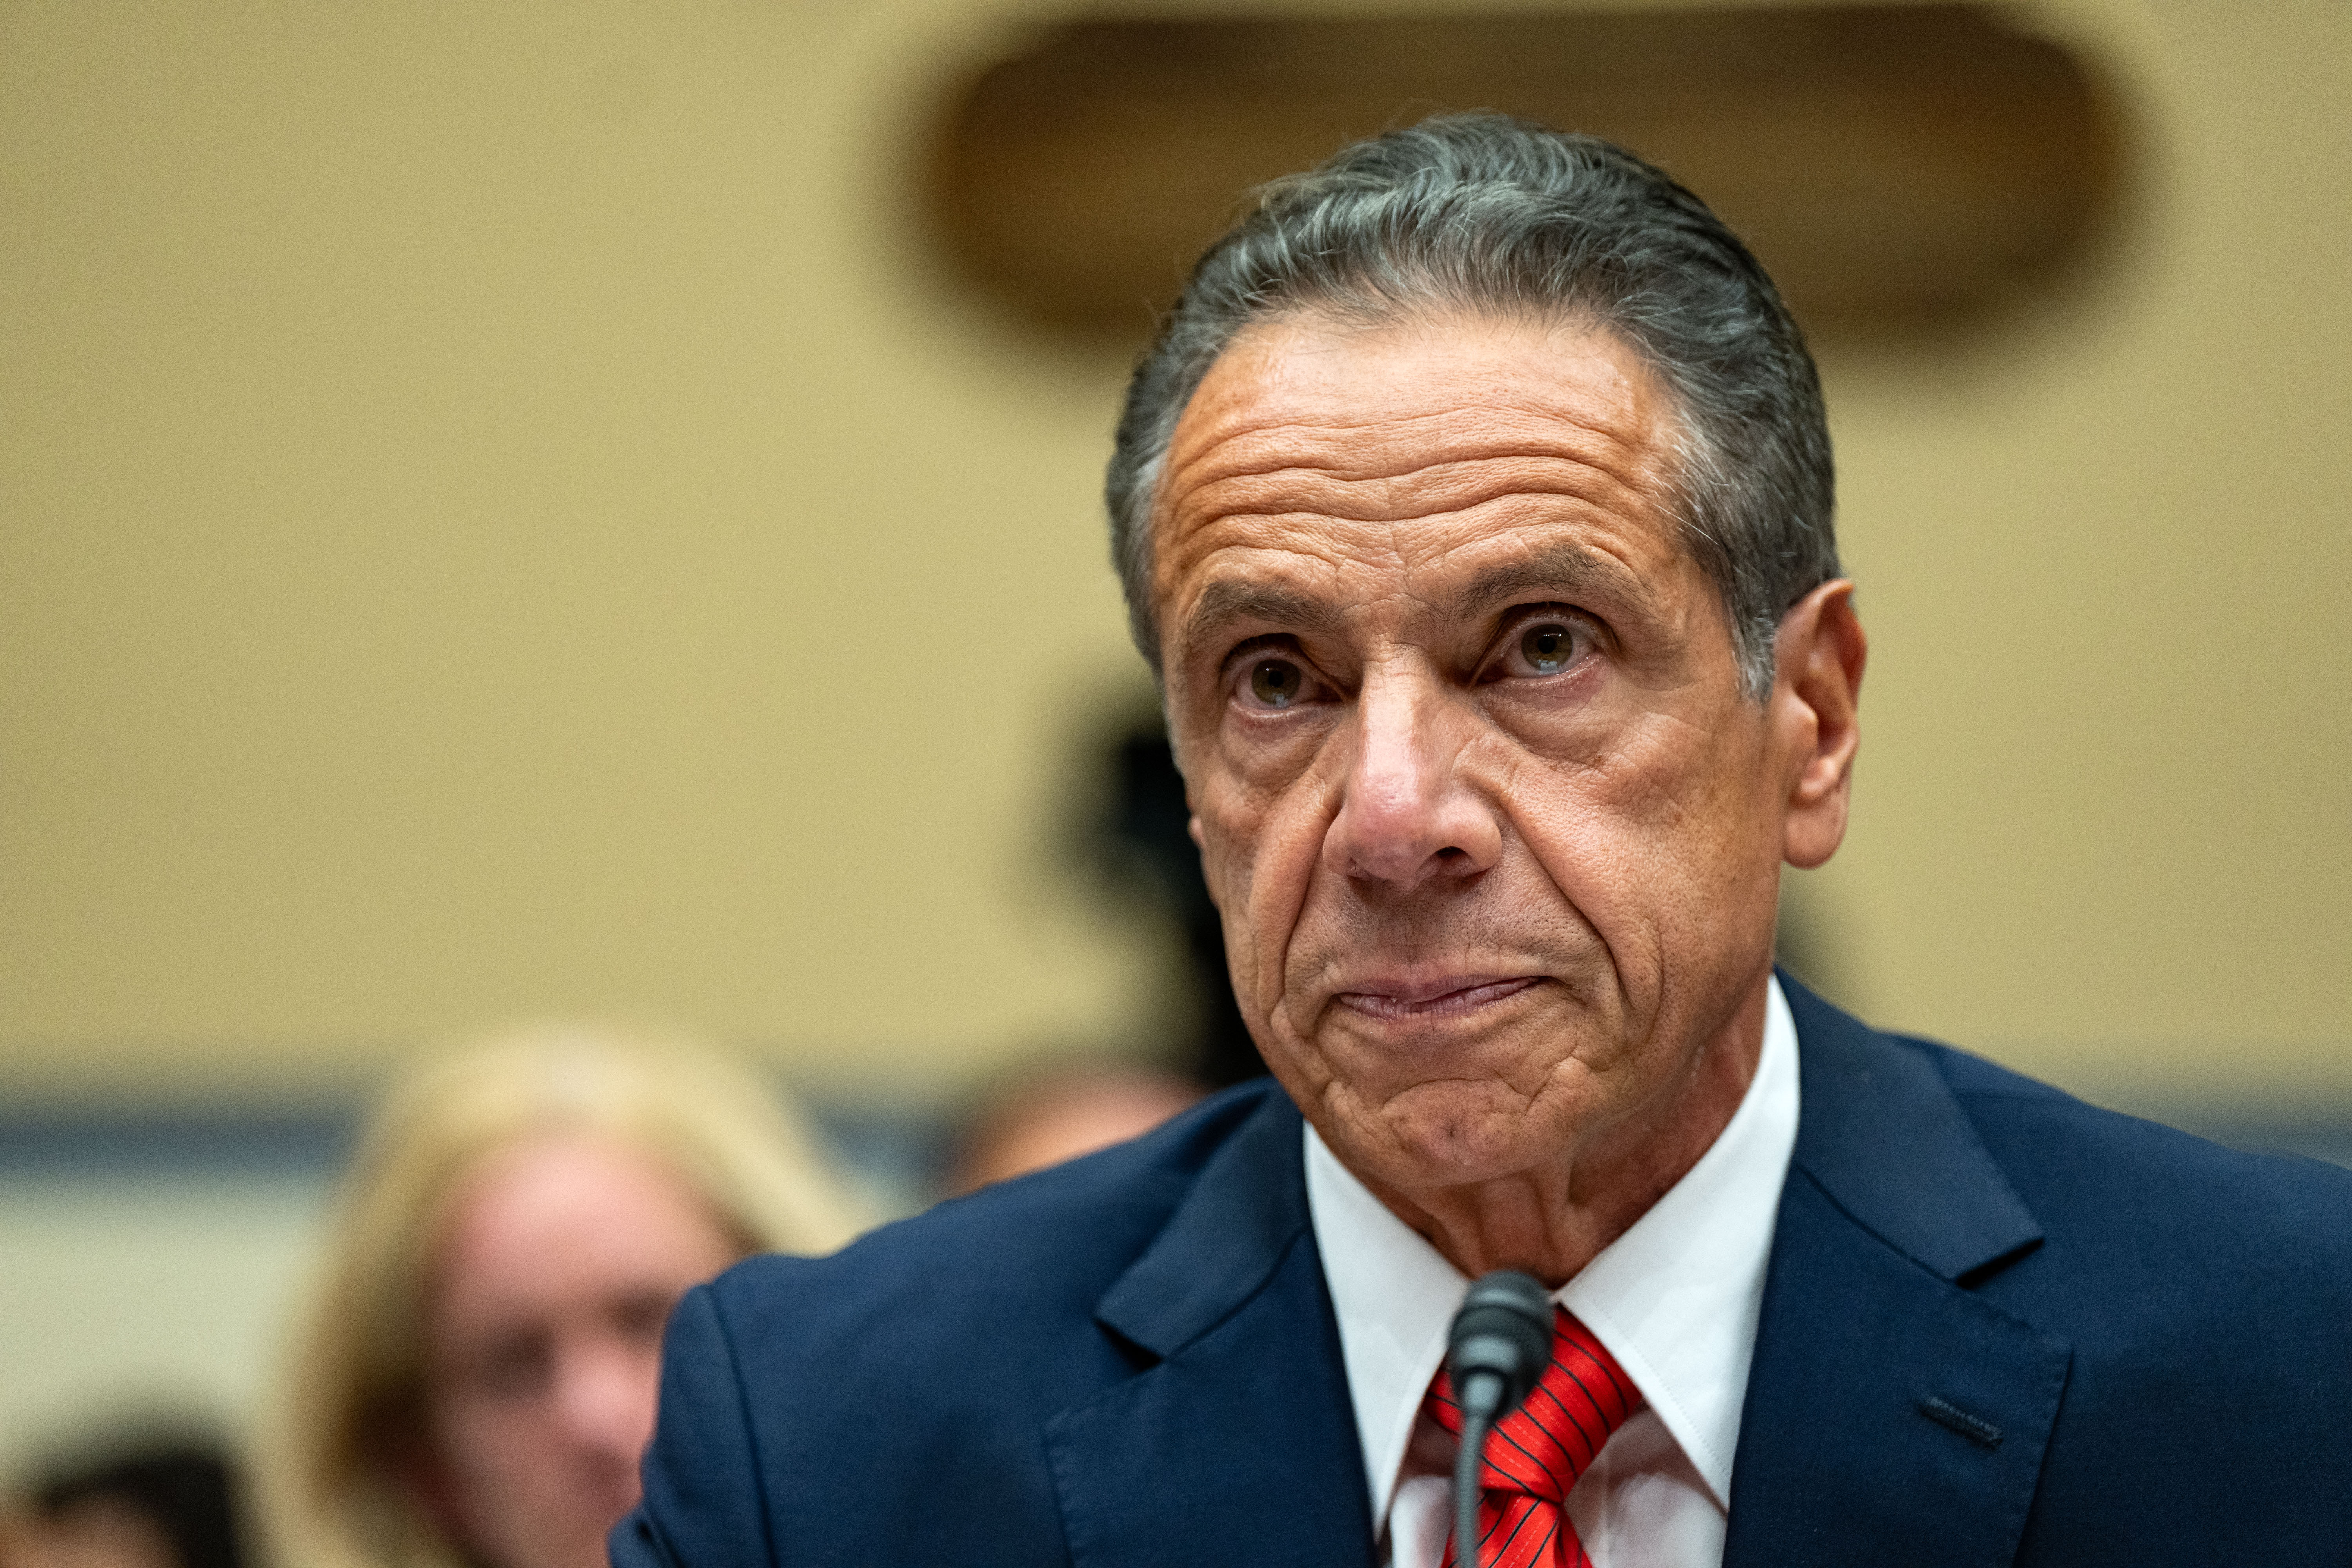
1483,214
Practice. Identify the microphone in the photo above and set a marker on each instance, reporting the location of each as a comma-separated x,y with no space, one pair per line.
1500,1343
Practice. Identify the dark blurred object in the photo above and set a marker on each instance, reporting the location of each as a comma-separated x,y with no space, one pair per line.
1057,1111
1149,851
1891,164
167,1503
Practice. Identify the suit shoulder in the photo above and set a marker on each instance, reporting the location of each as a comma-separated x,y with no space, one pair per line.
2068,1157
1024,1253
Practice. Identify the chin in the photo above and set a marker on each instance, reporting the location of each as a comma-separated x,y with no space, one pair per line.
1449,1134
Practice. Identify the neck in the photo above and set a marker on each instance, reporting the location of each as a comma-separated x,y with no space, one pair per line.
1552,1219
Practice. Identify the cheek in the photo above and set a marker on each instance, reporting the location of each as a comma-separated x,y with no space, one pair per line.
480,1436
1260,852
1230,824
641,1375
1649,841
485,1448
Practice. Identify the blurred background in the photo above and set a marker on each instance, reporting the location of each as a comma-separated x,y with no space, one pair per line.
511,508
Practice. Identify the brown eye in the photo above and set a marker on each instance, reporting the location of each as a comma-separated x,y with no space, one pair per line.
1276,682
1548,646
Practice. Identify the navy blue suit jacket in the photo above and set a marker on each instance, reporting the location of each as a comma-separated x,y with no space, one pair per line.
1999,1326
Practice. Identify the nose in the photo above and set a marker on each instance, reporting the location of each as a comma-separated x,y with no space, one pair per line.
1406,816
607,1388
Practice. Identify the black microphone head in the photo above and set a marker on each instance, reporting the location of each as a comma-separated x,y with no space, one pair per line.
1501,1338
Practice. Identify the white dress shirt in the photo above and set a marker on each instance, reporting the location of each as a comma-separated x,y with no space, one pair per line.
1675,1299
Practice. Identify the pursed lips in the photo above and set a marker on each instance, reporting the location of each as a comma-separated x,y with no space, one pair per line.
1415,1000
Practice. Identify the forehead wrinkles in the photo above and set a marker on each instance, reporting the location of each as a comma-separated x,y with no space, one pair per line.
1506,482
1414,461
1358,430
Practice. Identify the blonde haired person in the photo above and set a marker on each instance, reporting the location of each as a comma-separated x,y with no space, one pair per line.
477,1374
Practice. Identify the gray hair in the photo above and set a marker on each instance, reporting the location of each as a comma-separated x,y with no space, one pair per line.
1484,213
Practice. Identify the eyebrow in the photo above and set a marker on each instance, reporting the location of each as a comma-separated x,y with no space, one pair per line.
1570,570
1229,601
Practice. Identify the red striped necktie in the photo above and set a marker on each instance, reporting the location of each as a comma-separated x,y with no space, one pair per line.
1537,1450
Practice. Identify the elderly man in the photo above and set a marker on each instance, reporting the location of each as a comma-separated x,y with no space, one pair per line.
1475,510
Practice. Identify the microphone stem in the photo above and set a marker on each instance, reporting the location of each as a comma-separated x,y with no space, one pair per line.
1468,1461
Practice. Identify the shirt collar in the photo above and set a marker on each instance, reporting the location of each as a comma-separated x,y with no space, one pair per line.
1675,1299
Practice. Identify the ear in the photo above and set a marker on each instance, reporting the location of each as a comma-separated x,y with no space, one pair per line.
1816,700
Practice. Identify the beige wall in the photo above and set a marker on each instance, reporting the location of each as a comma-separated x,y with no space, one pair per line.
496,513
2105,828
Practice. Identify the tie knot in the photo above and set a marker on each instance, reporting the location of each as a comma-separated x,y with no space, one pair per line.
1542,1447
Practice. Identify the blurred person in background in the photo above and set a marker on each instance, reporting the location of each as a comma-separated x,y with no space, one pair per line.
145,1501
476,1377
1051,1112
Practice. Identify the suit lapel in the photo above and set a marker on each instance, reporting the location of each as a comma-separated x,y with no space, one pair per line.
1236,1442
1892,1414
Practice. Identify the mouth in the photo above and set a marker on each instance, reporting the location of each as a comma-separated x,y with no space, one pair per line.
1450,996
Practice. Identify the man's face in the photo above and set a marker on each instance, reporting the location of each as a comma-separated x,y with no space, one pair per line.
1494,836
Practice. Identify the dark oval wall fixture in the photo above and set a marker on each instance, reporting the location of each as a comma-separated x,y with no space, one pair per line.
1894,165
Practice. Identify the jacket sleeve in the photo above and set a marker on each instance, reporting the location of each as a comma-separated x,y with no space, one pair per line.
704,1505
